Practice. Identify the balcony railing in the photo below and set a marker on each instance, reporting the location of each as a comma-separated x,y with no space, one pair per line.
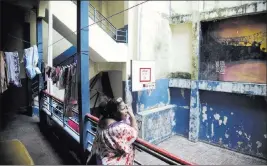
120,36
54,108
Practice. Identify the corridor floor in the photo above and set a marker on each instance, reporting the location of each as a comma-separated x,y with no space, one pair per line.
43,149
199,153
48,151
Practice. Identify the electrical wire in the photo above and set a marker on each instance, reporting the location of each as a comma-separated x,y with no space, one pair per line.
87,25
101,20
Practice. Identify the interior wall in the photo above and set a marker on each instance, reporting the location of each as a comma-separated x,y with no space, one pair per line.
155,38
59,45
12,22
187,7
168,44
115,7
238,123
181,45
108,8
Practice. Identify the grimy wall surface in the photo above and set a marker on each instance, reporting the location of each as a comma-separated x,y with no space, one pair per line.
210,70
222,45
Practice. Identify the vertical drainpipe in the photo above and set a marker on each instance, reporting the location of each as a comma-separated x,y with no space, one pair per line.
50,46
83,67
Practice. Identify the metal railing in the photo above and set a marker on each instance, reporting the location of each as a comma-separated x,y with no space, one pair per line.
54,108
144,146
120,36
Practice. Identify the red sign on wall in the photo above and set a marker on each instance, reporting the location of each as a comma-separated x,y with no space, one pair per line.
145,75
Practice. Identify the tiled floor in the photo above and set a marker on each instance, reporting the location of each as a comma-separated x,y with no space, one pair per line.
200,154
43,149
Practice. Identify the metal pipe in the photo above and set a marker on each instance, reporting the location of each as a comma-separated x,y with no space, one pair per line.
152,147
157,155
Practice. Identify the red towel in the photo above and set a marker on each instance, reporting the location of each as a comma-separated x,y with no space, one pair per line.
73,125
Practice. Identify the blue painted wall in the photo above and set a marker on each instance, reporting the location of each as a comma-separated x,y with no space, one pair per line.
234,121
66,57
158,97
181,98
237,122
144,100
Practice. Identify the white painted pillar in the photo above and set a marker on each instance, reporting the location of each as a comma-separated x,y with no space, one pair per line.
131,20
132,35
139,27
50,46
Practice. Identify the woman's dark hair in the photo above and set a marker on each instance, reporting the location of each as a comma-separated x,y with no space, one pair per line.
108,107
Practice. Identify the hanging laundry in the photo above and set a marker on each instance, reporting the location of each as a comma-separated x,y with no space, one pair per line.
3,76
65,78
74,86
30,61
71,90
48,70
60,83
57,75
68,106
53,75
13,68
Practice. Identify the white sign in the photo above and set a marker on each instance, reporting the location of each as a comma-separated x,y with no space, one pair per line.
143,75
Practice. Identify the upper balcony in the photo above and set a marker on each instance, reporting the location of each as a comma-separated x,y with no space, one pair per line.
106,43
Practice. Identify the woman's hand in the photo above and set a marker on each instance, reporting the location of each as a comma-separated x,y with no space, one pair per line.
130,111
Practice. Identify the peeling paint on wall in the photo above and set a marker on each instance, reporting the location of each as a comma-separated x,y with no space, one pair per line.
217,116
182,110
159,97
225,120
194,113
238,123
230,87
158,124
233,87
180,83
204,114
234,11
220,13
212,130
226,135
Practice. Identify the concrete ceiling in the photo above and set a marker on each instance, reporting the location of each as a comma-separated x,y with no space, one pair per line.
24,4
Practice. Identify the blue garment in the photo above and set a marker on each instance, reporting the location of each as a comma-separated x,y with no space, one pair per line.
30,61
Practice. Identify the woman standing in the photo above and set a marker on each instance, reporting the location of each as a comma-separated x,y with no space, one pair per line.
114,136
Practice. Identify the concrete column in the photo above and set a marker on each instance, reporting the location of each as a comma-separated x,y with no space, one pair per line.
194,120
50,46
132,48
39,35
30,17
83,72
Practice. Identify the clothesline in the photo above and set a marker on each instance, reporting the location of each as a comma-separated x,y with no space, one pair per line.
96,22
19,39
